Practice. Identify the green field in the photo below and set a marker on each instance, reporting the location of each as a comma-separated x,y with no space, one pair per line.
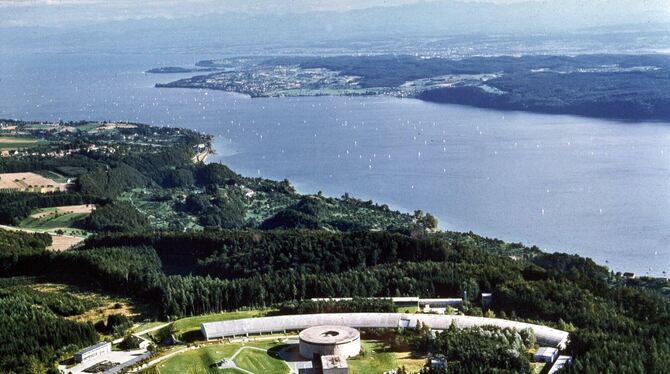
408,309
11,142
203,360
199,360
375,359
55,221
189,328
146,326
260,362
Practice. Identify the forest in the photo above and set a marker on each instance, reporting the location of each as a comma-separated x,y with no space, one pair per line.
610,322
547,84
616,324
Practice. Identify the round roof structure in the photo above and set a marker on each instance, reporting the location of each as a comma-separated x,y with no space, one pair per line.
327,335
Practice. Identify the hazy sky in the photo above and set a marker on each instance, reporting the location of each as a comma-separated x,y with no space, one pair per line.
68,12
23,11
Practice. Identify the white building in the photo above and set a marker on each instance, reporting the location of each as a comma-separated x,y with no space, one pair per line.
546,354
94,351
280,324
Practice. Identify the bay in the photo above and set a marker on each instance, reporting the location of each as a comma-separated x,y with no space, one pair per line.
598,188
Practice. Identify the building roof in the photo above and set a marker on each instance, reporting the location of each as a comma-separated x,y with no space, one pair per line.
92,348
561,361
212,330
546,352
441,301
329,335
333,362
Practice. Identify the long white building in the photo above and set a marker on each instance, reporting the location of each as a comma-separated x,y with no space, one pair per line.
92,352
241,327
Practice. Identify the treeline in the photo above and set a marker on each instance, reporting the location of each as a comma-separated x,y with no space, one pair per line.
137,271
645,95
116,216
28,310
614,328
346,214
60,303
487,349
111,181
15,245
33,337
242,253
355,305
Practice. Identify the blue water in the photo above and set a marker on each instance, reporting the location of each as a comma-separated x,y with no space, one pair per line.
594,187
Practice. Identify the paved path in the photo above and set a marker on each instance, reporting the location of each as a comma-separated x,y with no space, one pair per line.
161,358
184,349
119,340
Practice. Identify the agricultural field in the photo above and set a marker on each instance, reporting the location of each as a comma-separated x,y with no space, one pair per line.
11,143
32,182
59,222
374,358
59,242
62,218
63,242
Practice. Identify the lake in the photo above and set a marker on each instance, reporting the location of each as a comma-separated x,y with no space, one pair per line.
597,188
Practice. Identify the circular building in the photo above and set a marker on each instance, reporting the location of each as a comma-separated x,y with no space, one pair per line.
329,340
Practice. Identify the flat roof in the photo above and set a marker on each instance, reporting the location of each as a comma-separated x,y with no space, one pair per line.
561,361
329,334
333,362
546,351
92,348
441,301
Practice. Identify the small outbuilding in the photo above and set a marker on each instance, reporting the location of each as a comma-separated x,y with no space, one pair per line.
334,364
545,354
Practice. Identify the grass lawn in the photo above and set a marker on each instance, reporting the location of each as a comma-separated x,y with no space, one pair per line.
408,309
536,367
200,360
146,326
189,328
260,362
376,360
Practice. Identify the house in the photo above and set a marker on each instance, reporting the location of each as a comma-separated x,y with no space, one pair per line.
545,354
92,352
